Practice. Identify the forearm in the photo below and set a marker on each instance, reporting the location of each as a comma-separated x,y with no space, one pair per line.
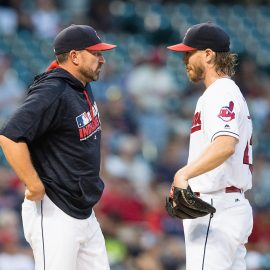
213,156
18,156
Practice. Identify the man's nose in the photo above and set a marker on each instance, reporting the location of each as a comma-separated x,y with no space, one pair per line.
185,59
102,59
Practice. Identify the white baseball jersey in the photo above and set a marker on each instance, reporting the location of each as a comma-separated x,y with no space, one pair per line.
222,110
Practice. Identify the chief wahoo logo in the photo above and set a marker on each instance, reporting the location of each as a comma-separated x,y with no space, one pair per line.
226,112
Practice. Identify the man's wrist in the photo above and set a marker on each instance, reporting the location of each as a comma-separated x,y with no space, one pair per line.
36,186
181,175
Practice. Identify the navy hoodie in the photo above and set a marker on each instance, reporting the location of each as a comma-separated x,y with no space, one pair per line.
60,123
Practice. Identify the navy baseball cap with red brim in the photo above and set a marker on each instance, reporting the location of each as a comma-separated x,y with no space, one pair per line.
204,36
79,37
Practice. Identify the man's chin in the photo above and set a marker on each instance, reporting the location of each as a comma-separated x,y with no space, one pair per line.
95,78
194,79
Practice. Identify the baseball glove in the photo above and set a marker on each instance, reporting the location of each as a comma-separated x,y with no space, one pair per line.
184,204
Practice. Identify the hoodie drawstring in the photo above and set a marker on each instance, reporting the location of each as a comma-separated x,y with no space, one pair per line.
90,105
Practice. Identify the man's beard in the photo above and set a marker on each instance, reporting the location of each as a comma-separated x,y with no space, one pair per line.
89,74
196,74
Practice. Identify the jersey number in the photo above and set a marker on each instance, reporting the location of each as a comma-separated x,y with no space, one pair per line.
247,159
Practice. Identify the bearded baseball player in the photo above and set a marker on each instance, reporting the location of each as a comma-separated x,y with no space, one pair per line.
209,192
53,144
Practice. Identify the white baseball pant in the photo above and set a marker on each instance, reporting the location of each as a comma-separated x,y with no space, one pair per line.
60,241
223,247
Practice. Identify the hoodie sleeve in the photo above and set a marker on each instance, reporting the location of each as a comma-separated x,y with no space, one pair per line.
36,114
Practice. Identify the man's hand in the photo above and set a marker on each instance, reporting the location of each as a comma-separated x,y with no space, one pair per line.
35,192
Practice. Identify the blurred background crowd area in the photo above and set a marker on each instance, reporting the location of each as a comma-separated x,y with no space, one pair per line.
146,107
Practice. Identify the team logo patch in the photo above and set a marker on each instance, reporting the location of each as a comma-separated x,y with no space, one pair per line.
86,125
196,123
226,112
83,119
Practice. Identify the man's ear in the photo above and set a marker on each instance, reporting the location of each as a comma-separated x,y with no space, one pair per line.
74,57
210,55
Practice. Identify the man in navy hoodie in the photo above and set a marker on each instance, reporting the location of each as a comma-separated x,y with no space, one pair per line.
53,144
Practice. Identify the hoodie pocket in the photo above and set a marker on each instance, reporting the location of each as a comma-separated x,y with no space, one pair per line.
91,189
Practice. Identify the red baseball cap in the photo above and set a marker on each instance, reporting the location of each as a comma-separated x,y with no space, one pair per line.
79,37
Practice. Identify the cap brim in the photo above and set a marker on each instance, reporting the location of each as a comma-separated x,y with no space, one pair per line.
181,48
101,47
